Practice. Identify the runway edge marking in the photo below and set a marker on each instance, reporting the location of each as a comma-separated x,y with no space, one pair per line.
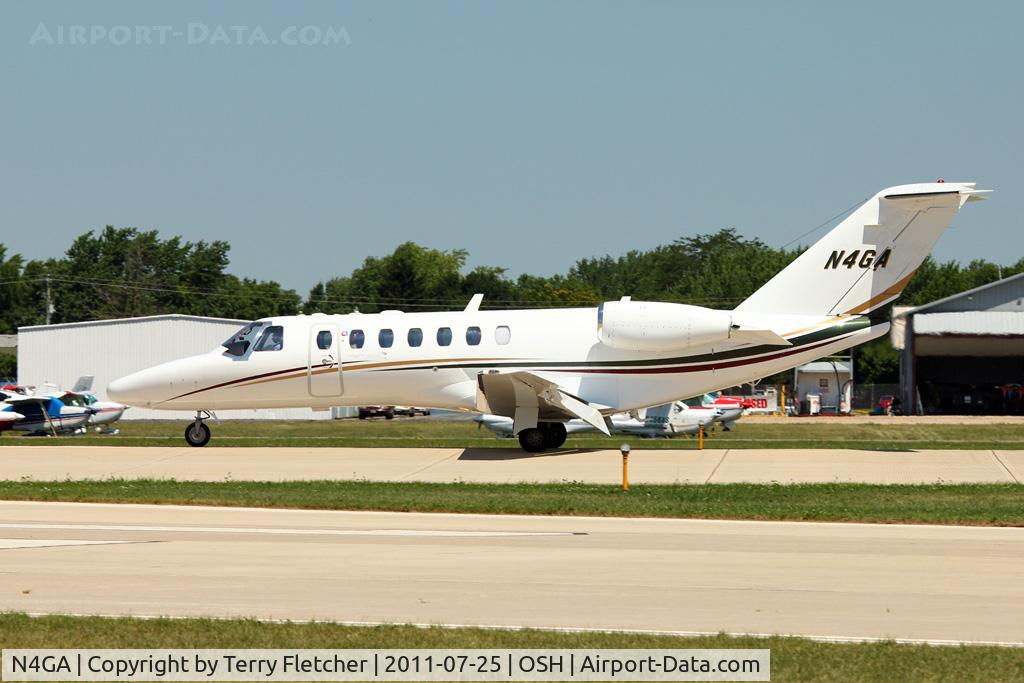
477,515
562,629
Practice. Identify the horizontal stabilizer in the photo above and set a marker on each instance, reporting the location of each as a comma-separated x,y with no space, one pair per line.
766,337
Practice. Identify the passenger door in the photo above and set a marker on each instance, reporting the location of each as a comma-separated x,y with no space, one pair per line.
323,366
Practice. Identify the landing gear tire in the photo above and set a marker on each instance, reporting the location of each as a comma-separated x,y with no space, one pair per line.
554,434
532,440
197,434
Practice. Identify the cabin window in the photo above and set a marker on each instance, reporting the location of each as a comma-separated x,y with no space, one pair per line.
415,336
272,339
473,336
386,338
444,336
356,339
502,335
324,339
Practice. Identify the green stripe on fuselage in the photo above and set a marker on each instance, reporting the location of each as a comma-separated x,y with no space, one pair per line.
833,331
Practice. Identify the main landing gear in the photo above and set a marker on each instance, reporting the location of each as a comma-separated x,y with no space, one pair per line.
197,434
542,437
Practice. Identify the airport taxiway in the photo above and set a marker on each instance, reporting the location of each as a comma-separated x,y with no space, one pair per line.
816,579
500,465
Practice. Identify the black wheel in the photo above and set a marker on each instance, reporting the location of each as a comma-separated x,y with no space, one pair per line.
532,440
197,435
554,434
390,415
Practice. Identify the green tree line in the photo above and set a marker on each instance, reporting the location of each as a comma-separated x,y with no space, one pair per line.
127,272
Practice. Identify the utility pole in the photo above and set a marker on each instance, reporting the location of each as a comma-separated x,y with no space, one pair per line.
49,300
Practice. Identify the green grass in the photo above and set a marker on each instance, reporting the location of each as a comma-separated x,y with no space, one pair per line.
973,504
793,659
464,434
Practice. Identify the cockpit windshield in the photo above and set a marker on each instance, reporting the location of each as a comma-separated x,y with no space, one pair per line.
238,343
74,400
272,339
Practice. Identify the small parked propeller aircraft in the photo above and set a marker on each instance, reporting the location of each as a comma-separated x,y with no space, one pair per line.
103,413
671,419
8,419
728,411
544,368
45,415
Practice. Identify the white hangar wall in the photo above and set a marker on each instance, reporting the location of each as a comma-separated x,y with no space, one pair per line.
57,355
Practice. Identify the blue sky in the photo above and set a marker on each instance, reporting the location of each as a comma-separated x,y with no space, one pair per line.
530,133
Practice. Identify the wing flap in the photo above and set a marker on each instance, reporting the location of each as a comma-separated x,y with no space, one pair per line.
528,398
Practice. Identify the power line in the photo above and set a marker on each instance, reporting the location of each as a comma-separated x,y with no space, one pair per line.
821,225
411,302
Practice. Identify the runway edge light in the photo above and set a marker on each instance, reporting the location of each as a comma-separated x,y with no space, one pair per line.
624,449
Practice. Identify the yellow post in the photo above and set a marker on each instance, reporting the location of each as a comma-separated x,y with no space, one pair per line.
782,401
700,438
624,449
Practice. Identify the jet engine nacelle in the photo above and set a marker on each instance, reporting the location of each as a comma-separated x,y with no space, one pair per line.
657,326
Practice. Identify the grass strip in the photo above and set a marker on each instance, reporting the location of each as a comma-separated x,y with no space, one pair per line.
969,504
448,433
793,659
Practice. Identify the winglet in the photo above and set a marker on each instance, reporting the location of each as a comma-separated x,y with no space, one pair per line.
474,303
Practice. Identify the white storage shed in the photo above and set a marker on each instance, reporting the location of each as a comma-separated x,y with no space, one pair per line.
830,380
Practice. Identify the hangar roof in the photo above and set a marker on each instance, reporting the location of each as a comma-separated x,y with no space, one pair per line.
142,319
825,366
971,323
1006,294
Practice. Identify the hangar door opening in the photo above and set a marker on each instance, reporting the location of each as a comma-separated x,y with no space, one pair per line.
971,385
323,367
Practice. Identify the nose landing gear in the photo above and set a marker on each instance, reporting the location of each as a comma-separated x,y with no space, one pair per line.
197,434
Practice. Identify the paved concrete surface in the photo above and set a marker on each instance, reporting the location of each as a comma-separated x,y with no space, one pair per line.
891,420
830,580
508,465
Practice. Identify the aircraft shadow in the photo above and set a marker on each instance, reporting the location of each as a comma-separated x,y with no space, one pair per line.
497,454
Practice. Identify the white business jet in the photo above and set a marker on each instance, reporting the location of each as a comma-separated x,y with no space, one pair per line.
543,368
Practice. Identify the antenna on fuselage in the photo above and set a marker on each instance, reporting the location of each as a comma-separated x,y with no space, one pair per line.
474,303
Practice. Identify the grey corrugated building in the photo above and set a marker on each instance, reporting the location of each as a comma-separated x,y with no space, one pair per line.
52,357
963,354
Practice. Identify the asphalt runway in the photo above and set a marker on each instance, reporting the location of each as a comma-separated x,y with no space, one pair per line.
845,581
511,465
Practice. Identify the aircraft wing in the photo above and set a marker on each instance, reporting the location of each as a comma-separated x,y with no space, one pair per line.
27,400
527,398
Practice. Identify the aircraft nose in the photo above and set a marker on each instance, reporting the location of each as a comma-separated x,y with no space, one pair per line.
132,390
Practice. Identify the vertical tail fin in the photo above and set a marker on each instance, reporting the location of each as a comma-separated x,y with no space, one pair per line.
83,384
659,414
866,260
